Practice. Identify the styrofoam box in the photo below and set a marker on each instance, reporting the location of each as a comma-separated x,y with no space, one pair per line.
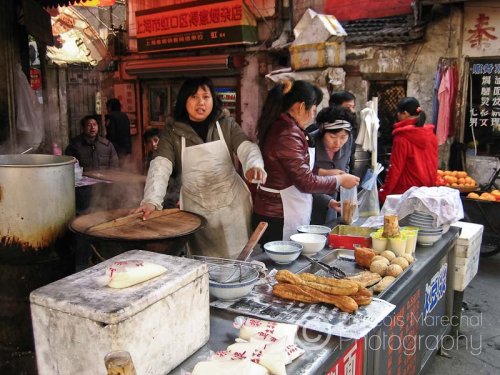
317,55
79,319
470,238
467,251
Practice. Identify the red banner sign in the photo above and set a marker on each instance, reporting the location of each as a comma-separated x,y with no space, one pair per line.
204,23
351,363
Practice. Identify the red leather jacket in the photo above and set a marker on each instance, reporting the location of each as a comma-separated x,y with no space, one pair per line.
286,160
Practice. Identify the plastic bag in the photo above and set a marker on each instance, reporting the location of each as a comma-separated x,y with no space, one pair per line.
368,202
348,205
29,112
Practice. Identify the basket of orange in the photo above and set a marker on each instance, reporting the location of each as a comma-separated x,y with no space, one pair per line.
459,180
493,196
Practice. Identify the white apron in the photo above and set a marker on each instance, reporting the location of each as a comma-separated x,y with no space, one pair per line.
297,206
212,188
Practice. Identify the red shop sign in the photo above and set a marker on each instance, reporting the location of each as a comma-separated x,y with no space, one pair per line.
204,23
351,363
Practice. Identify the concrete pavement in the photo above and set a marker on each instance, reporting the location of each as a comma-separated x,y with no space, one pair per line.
477,349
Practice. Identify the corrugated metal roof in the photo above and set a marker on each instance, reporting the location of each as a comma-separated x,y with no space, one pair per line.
389,30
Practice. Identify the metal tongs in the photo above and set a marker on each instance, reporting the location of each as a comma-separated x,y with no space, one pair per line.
332,270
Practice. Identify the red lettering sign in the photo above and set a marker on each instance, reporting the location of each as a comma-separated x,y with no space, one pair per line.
351,363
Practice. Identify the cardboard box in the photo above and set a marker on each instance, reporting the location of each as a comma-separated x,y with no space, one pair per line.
79,319
317,55
467,252
347,236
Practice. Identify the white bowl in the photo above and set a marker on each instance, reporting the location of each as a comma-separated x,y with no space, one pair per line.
427,240
314,229
231,291
312,243
428,231
283,252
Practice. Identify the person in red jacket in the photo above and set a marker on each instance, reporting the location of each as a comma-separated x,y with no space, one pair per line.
285,200
414,155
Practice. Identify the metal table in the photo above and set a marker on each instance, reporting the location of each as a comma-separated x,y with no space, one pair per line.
326,354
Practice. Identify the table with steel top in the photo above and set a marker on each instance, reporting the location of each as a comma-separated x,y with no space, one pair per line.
404,342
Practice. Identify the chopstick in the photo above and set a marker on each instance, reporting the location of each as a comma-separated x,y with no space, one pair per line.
130,218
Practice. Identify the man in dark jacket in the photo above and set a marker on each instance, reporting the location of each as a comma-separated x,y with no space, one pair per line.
118,128
92,150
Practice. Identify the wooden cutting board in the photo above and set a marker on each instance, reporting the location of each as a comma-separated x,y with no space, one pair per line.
170,225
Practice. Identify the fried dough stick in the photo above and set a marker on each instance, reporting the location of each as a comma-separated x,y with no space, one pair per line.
303,293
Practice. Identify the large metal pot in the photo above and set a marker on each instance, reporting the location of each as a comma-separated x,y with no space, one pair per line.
37,201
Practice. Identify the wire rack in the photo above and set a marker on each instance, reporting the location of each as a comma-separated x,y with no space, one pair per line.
228,271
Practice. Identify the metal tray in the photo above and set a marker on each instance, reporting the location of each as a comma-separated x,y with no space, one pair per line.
344,259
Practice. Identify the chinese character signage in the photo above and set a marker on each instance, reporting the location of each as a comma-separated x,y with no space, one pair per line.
204,23
481,31
483,102
351,363
435,290
228,98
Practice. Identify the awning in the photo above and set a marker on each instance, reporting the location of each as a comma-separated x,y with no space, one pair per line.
188,64
60,3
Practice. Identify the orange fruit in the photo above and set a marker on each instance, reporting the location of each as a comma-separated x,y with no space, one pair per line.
473,196
440,172
461,181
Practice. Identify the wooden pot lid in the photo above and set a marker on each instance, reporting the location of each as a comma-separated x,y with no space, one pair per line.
119,225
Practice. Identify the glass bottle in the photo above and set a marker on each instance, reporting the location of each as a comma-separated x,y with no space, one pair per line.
119,363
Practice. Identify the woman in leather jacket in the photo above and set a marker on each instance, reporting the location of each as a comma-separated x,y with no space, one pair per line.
285,201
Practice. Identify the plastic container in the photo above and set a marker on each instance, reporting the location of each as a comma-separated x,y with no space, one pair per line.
411,234
398,245
379,243
56,150
349,205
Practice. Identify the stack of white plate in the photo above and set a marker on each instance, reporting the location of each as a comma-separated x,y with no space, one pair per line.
427,234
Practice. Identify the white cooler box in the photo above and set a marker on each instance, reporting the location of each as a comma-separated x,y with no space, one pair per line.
467,252
79,319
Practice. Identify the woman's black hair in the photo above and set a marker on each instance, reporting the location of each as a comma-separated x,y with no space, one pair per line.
331,114
188,88
281,98
412,106
150,133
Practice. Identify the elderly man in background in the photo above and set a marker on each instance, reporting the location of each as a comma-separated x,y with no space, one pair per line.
92,150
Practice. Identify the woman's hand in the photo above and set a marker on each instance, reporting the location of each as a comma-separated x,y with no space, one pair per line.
256,175
147,208
329,172
334,205
347,180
